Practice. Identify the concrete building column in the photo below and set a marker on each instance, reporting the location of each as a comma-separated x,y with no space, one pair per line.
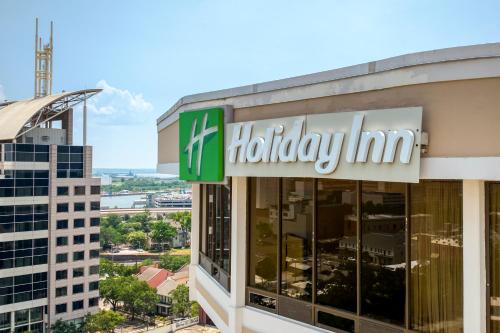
195,235
474,256
238,252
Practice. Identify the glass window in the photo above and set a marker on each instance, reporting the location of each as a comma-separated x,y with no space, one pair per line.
264,233
336,221
36,314
61,308
79,223
79,255
78,239
436,256
296,257
494,249
383,268
62,190
61,257
62,291
79,190
62,207
217,230
95,189
62,274
62,224
94,285
94,270
95,205
77,305
94,238
79,206
94,254
77,288
95,221
5,320
94,301
22,316
62,241
78,272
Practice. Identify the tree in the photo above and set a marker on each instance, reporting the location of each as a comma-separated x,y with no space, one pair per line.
109,237
111,220
129,226
184,219
181,306
173,263
162,232
103,321
112,289
108,268
138,297
137,239
65,327
144,219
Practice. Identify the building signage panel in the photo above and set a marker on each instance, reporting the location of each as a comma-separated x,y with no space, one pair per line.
201,140
366,145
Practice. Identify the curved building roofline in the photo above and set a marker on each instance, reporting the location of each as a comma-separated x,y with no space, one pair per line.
14,116
434,57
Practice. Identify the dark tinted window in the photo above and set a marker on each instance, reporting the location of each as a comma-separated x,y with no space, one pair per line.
79,190
296,262
62,190
95,190
263,234
383,251
62,207
337,244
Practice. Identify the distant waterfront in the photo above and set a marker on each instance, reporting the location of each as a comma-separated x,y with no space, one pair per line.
122,201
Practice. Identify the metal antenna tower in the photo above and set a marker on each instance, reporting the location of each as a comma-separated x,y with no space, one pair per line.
43,64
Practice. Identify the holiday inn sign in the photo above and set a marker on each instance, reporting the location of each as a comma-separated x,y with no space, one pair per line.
201,140
365,145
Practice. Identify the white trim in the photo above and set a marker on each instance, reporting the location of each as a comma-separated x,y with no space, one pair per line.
479,168
474,257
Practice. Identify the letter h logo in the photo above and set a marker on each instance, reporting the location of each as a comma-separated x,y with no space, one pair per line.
201,134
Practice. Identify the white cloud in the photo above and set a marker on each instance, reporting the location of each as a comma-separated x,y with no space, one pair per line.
117,106
2,94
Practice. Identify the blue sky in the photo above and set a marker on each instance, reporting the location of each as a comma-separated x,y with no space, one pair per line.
148,54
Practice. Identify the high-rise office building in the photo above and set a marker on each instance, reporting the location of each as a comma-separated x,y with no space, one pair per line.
49,215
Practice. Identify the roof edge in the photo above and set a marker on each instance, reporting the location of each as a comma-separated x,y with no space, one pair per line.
477,51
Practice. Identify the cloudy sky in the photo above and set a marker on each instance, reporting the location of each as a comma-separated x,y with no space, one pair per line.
148,54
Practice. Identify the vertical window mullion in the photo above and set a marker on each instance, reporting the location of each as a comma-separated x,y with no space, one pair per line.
407,255
280,245
359,190
314,242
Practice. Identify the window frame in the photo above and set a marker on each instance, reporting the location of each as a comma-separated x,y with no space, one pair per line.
313,307
209,260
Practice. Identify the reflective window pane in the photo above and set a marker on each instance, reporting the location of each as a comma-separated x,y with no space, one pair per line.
383,251
336,244
264,231
296,259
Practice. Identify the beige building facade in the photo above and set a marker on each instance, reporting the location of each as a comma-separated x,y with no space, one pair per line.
297,253
49,216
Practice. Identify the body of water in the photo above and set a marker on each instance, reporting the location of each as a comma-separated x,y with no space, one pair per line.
122,201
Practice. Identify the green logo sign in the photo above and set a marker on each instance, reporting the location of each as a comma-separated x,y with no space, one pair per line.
201,145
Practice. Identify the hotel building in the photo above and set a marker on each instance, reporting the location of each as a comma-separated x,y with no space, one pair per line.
49,216
361,199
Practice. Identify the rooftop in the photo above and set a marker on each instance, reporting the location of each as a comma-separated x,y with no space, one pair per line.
440,56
